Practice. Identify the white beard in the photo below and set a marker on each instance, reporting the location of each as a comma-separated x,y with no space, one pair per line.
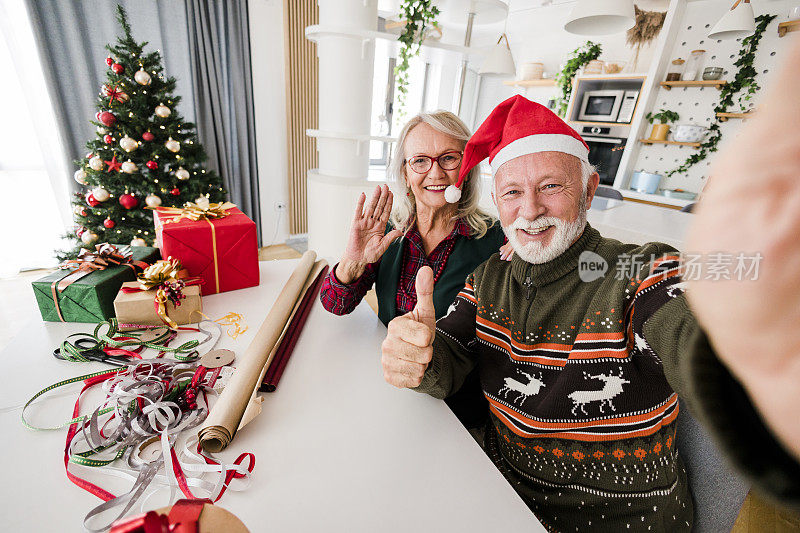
564,234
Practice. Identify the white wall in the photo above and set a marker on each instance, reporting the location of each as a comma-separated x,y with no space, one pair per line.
537,33
269,90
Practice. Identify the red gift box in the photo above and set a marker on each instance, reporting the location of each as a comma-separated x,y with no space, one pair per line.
222,251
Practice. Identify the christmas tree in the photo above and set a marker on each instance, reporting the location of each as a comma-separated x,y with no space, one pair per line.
144,155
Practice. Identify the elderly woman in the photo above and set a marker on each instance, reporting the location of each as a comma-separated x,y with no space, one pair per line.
424,229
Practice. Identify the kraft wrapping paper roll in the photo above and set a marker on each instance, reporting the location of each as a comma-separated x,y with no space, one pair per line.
226,414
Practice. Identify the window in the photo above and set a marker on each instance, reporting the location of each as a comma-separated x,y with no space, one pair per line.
34,184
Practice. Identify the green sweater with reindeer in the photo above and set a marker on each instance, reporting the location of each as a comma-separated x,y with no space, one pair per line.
580,359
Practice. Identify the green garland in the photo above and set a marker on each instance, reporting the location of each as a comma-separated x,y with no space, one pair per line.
744,80
418,14
578,58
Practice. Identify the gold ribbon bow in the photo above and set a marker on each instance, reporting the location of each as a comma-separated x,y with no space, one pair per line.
202,209
160,276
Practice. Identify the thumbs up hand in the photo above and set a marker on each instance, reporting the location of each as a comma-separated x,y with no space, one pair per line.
408,347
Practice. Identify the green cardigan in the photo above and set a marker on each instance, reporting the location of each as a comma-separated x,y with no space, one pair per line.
467,254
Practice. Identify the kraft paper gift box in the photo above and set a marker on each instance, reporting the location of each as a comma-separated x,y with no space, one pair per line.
222,251
139,308
90,298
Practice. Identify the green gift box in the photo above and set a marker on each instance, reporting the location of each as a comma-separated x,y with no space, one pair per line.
90,298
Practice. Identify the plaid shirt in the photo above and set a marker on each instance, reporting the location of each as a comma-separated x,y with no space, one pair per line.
341,299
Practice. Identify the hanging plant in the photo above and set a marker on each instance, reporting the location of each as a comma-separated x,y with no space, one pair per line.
648,25
743,80
578,58
418,14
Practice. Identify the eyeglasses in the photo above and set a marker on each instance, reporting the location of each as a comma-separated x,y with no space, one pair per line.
446,161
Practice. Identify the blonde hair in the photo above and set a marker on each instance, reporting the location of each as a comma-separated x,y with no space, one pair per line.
405,208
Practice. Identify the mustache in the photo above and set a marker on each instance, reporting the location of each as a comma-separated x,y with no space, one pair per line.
536,224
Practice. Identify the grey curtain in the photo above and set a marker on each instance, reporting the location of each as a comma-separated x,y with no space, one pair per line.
219,45
203,43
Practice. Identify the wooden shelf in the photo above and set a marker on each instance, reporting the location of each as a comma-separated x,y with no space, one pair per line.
651,141
702,83
531,83
723,117
786,27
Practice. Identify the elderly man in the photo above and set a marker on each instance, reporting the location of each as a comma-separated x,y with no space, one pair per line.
582,342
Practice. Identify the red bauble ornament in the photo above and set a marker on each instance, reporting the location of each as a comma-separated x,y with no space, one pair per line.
107,118
117,68
147,136
152,165
175,191
109,61
109,223
128,201
80,231
91,200
108,139
83,212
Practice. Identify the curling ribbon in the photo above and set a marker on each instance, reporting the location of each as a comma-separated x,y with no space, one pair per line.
105,255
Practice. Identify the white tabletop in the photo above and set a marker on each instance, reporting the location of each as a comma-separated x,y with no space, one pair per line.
636,223
337,449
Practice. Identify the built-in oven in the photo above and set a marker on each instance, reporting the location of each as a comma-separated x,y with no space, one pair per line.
605,151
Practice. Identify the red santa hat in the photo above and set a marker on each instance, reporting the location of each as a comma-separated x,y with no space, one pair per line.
515,128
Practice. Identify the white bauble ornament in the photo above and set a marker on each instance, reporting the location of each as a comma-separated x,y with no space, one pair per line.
182,174
78,209
87,237
152,200
100,194
129,167
128,144
141,77
163,111
138,242
172,145
101,130
80,176
95,163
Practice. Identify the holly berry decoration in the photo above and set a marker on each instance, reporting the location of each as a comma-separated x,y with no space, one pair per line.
91,200
152,165
175,192
107,118
108,139
128,201
147,136
109,223
109,61
117,68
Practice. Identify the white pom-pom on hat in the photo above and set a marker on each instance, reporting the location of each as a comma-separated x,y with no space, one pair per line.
452,194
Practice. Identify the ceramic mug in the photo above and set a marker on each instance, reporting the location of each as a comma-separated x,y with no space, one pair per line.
688,133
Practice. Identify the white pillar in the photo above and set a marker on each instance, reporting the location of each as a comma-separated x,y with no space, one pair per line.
346,60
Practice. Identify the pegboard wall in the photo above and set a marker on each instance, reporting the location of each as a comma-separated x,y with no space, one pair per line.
695,105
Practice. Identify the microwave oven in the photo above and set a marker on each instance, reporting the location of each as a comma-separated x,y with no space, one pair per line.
608,106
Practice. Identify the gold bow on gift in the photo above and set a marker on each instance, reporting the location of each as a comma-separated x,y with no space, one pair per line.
168,278
202,209
161,272
105,255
